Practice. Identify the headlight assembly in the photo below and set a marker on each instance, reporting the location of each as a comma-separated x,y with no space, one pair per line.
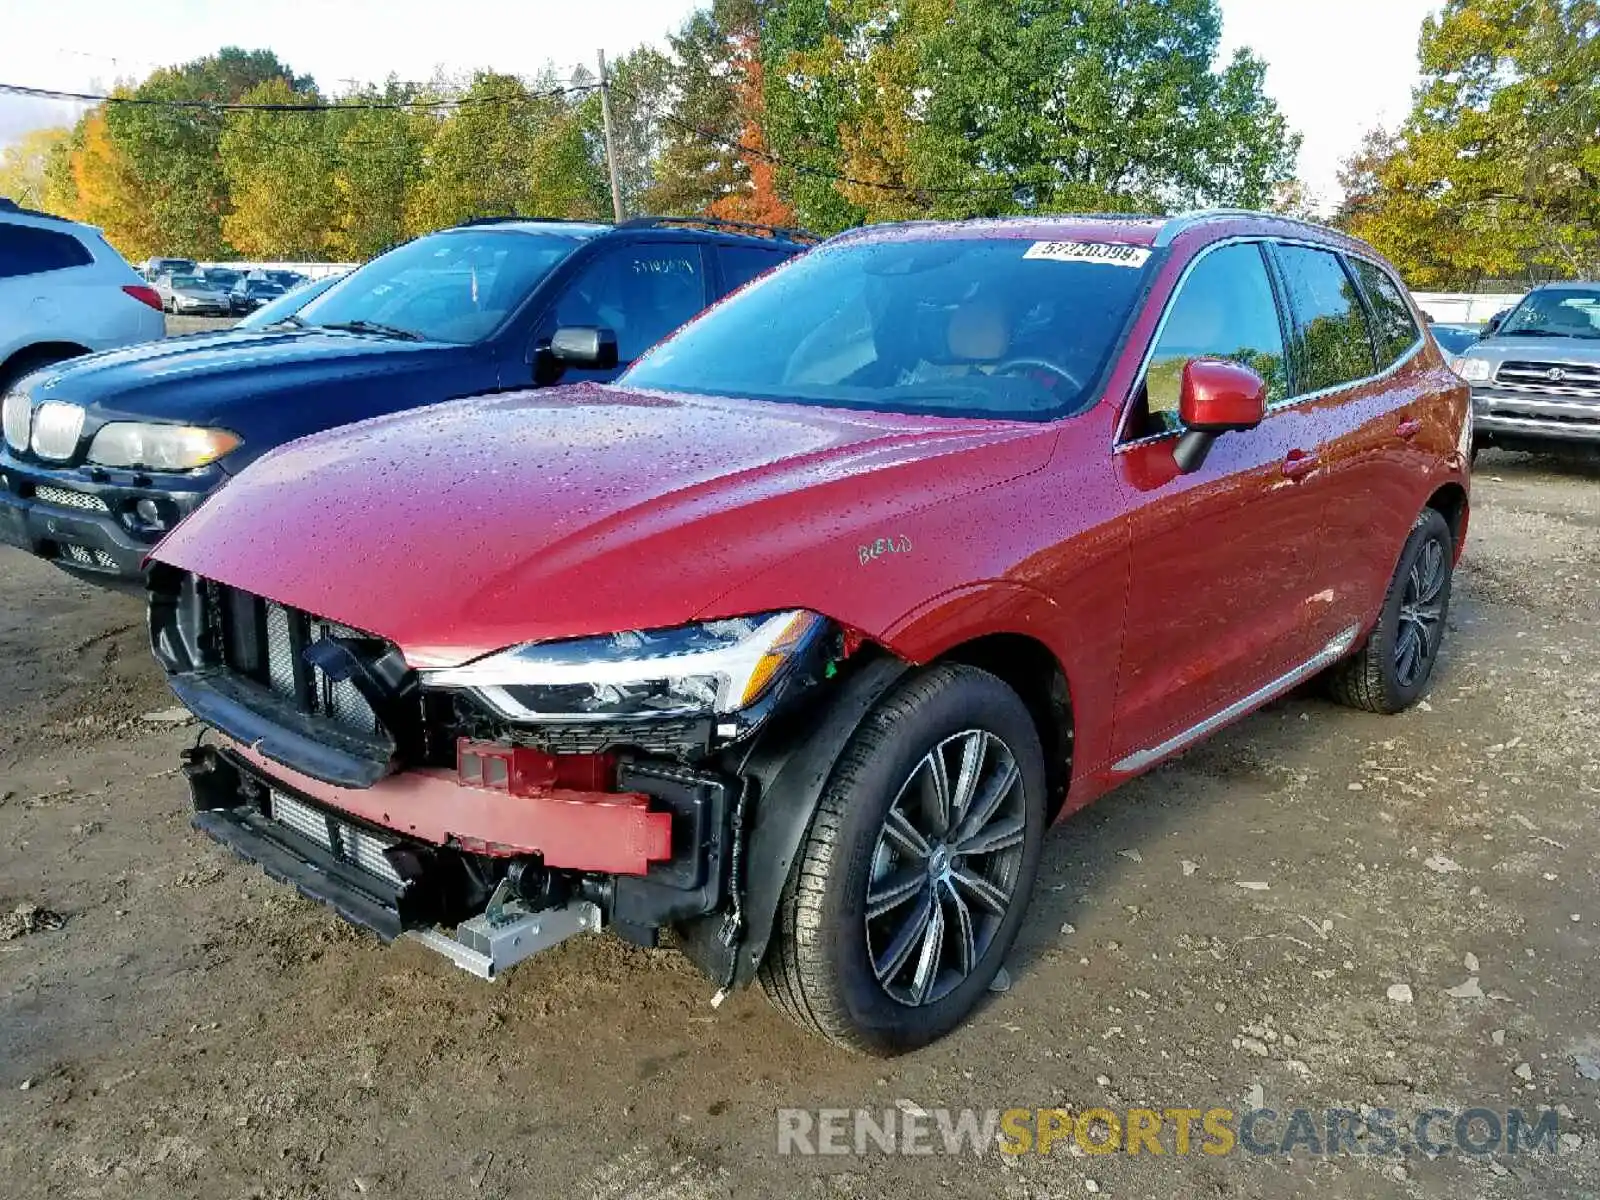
160,447
704,670
1473,370
18,419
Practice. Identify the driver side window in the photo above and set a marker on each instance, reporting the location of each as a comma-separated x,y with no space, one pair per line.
1225,309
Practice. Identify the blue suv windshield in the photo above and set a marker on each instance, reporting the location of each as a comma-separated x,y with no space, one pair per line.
456,286
985,327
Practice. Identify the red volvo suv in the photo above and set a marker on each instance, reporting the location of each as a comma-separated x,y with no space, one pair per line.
795,639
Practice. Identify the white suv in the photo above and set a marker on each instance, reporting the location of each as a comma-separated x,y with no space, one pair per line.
63,292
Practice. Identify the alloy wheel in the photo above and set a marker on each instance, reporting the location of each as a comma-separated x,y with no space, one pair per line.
945,867
1421,614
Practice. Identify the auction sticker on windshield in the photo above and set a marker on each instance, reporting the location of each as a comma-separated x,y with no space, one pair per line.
1113,254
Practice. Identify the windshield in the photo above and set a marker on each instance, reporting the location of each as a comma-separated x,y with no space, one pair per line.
188,281
456,286
1556,312
987,327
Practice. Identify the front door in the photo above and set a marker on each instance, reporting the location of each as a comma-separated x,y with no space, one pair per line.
640,290
1224,560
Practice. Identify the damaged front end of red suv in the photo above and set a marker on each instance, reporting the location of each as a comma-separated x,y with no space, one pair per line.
522,798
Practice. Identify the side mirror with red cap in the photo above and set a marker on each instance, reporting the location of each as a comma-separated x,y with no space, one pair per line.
1216,397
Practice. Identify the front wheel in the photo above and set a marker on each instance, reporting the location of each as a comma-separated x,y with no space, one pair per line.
1391,671
916,872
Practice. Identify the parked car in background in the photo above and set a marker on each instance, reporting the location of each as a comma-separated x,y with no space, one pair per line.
1454,338
223,279
1535,374
286,279
250,294
105,459
154,268
191,295
794,639
289,303
64,292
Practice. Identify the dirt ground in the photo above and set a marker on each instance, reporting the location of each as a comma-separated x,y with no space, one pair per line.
173,1024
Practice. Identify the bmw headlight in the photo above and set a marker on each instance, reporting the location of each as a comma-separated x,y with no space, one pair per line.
17,415
1472,369
160,447
705,670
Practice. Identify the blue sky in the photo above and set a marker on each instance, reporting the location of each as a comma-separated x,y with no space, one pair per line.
1335,66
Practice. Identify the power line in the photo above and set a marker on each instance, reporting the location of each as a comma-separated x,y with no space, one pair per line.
16,89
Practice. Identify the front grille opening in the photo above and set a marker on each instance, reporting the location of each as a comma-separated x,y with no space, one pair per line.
267,642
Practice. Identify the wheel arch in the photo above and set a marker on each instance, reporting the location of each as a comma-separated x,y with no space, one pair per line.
1450,501
40,353
1031,669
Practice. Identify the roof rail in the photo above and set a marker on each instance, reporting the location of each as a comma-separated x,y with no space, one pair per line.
773,231
1188,220
499,220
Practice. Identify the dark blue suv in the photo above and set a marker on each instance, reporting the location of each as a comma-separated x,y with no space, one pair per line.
103,455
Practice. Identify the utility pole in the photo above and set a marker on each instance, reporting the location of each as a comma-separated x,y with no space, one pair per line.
611,142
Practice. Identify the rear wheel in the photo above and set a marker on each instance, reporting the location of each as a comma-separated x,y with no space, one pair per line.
1391,671
916,872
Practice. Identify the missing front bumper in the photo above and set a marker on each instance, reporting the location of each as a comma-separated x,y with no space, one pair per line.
397,886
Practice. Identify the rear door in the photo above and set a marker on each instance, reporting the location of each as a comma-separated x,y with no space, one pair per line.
1358,393
1223,559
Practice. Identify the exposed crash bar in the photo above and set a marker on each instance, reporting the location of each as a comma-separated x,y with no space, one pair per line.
607,832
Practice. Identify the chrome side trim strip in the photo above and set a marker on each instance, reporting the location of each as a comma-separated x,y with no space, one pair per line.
1326,657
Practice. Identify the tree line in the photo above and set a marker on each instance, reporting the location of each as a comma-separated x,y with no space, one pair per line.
824,113
1495,174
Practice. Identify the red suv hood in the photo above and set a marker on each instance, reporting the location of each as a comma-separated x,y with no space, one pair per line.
467,527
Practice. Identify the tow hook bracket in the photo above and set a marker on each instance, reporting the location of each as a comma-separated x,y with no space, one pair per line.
508,932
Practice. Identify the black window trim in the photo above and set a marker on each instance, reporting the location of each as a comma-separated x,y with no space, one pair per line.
1405,295
1119,444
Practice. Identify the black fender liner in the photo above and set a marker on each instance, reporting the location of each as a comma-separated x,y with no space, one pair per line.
788,766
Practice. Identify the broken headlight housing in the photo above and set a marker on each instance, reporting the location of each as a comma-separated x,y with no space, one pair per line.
709,669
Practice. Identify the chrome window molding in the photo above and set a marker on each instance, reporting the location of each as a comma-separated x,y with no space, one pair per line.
1120,444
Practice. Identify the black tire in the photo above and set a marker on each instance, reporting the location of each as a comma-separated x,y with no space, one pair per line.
819,968
24,362
1375,677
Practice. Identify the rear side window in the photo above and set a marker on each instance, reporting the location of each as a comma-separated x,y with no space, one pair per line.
741,264
1225,309
25,250
1332,346
1394,328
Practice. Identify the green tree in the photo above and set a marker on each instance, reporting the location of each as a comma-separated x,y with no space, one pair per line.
174,152
25,166
641,91
506,150
1496,172
699,162
1083,104
279,169
377,161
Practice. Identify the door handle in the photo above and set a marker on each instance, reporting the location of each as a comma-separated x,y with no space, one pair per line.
1408,428
1300,462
